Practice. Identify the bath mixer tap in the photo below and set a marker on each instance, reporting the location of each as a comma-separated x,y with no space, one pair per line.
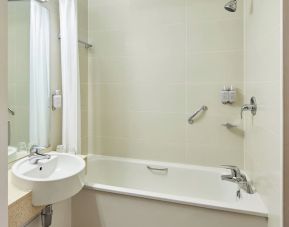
35,154
250,107
239,178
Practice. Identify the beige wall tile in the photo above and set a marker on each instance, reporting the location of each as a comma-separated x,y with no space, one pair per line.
83,71
211,10
222,35
218,67
263,79
153,64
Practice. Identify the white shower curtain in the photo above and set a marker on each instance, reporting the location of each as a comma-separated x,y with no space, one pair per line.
71,127
39,75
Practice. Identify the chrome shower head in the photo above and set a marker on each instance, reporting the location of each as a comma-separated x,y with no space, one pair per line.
231,6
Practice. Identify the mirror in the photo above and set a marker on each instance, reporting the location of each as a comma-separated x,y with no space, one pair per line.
28,77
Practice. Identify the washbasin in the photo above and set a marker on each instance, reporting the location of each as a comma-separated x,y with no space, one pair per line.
50,180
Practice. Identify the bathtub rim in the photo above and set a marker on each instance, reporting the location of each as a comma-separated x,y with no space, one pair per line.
262,211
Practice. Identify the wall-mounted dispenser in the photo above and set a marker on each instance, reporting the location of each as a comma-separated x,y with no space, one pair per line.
56,100
228,95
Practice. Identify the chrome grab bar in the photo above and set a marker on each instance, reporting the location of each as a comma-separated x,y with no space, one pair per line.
191,119
11,111
157,169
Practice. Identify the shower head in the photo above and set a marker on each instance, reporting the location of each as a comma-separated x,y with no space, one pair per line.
231,6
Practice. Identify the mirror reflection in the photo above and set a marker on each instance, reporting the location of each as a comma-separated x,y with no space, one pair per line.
28,77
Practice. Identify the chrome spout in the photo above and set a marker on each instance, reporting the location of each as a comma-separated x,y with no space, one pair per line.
35,155
239,178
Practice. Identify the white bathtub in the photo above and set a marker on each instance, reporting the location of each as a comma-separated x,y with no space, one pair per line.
187,188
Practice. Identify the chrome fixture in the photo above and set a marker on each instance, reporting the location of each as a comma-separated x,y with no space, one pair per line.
202,109
41,1
157,169
11,112
46,216
240,179
231,6
229,125
228,94
35,154
250,107
86,45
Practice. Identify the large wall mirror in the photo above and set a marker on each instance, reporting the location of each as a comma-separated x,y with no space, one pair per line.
28,77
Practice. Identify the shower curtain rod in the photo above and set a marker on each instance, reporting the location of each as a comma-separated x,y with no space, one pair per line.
86,45
41,1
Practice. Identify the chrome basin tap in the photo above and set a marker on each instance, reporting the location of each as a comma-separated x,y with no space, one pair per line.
239,178
35,154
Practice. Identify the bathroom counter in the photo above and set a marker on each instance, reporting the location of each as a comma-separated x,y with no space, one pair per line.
14,193
20,209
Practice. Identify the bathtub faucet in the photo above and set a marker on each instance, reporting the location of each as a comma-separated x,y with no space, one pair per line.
252,107
239,178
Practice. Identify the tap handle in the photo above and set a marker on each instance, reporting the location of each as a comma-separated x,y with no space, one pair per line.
244,108
35,149
235,171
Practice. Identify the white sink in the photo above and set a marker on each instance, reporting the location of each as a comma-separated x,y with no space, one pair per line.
50,180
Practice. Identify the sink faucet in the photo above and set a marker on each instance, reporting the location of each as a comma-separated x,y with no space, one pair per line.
35,154
237,177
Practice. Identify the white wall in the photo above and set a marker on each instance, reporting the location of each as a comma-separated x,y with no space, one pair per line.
263,79
153,64
3,114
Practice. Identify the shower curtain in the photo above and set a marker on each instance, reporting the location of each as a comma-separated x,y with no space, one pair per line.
71,127
39,114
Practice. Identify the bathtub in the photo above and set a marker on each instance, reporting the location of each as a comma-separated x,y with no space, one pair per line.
122,192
